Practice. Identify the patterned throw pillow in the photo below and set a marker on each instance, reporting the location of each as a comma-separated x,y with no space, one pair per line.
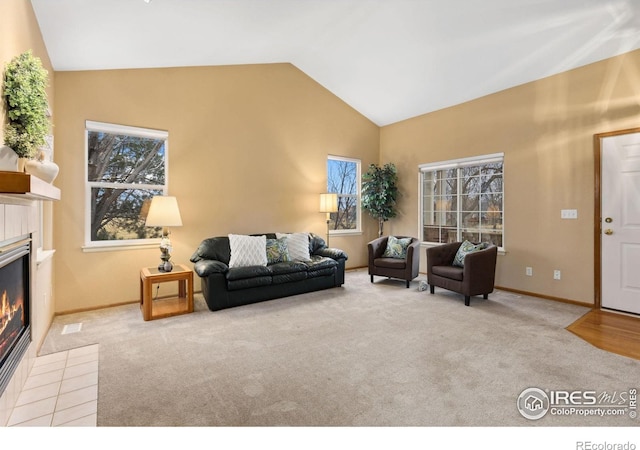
277,250
298,245
396,248
247,250
465,248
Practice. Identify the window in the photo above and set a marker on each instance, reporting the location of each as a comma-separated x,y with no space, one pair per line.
343,178
126,167
463,199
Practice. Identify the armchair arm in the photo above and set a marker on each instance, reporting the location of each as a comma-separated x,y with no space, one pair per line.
479,270
413,253
377,247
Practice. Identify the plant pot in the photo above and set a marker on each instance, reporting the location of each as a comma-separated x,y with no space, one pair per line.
22,164
45,170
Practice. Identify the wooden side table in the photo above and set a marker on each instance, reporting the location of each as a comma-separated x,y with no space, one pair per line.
166,306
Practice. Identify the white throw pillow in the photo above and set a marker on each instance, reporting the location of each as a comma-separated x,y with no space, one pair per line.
298,245
247,250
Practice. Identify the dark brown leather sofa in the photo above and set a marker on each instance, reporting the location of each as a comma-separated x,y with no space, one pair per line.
224,287
477,277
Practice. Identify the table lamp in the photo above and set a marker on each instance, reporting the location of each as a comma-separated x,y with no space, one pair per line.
328,204
164,212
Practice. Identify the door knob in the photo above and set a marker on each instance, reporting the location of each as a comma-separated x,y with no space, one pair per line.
608,231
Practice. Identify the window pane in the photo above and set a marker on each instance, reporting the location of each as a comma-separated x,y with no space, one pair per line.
439,234
464,202
472,185
441,211
470,236
346,217
470,220
445,185
491,168
115,158
343,179
495,238
470,202
118,214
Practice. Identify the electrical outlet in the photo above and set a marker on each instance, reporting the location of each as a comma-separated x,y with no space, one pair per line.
529,271
556,274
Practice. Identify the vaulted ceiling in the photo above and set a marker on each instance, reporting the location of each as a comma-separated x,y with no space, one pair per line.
389,59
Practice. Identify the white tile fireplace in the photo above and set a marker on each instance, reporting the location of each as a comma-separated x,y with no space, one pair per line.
15,303
23,199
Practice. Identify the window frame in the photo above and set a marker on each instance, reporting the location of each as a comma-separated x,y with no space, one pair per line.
357,195
107,245
457,164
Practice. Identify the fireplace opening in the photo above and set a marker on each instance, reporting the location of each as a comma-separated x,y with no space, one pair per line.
15,326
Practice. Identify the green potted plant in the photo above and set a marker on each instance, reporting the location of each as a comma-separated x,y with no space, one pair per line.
24,91
379,193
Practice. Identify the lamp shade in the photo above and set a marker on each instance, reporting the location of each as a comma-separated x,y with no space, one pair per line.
328,203
164,212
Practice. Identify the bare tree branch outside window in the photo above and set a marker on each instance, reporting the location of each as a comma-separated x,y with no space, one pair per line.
342,179
463,203
124,173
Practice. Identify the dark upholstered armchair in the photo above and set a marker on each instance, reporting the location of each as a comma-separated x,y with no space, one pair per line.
475,278
404,269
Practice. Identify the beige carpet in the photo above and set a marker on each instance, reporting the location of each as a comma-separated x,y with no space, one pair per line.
361,355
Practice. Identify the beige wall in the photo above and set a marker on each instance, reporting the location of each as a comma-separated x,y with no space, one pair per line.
20,32
545,130
248,150
248,147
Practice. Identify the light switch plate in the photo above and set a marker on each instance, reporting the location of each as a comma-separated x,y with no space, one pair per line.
569,214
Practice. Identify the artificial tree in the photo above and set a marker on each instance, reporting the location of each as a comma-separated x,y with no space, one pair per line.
379,193
24,91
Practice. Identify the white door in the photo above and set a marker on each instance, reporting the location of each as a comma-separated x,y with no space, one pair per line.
620,208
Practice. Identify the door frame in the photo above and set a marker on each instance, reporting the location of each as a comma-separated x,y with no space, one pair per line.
597,220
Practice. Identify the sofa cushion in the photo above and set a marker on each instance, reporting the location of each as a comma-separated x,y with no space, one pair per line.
289,277
277,251
298,245
465,248
287,267
451,272
247,283
247,250
390,263
240,273
397,247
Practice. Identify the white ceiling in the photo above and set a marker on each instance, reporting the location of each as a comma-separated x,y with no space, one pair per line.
389,59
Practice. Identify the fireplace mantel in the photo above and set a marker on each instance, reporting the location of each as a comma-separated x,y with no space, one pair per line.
27,186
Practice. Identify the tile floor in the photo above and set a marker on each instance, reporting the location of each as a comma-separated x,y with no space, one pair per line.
61,391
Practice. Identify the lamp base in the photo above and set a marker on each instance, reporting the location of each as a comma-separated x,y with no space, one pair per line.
165,253
328,220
